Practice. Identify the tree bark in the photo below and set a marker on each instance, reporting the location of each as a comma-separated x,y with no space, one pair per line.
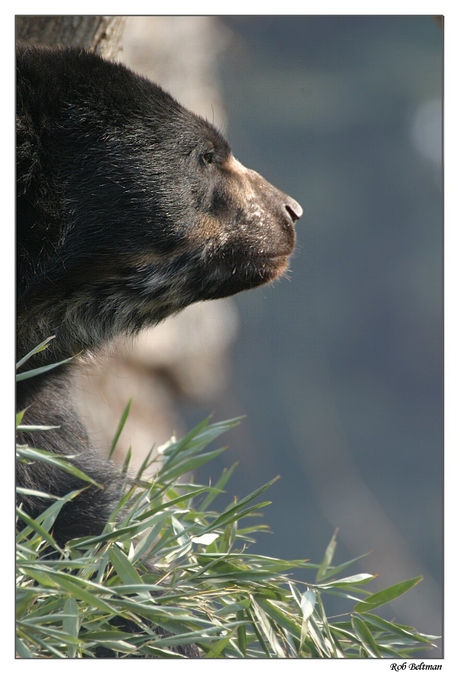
100,34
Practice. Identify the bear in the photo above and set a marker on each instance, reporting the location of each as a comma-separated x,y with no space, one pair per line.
129,208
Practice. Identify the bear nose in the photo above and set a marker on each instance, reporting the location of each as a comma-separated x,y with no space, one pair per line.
294,209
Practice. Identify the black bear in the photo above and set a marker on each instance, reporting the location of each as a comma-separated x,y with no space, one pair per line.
129,208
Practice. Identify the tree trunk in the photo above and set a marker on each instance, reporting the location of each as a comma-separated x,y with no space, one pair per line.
100,34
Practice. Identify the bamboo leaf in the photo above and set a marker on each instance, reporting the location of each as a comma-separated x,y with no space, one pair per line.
34,454
356,579
387,595
120,426
228,601
71,624
267,629
39,371
329,554
220,645
365,636
39,348
307,604
125,570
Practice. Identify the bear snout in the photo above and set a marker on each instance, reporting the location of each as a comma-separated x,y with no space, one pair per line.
270,206
277,212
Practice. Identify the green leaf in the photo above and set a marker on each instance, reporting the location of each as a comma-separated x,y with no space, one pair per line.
329,554
35,526
121,424
39,371
387,595
195,441
359,579
19,417
34,454
71,624
188,464
397,629
81,590
220,645
241,631
233,512
319,639
232,603
337,569
34,427
39,348
146,543
282,618
259,608
218,487
125,570
22,651
365,637
257,631
307,604
337,652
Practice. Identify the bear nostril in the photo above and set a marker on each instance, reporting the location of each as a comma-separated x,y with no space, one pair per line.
294,210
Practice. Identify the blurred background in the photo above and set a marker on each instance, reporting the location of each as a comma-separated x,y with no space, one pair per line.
339,367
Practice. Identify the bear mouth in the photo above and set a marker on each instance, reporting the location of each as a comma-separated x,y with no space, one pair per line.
261,265
278,258
256,271
275,267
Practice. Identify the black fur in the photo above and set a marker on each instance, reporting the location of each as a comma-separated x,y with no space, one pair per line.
129,208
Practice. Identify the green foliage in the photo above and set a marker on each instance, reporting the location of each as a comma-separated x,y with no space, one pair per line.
207,587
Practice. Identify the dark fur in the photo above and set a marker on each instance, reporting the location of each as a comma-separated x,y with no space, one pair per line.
129,209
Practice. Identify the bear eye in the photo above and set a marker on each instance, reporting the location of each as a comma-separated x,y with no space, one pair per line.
208,157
